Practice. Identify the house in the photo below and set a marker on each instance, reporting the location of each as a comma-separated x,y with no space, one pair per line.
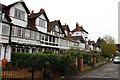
18,14
91,45
80,35
22,31
67,31
5,24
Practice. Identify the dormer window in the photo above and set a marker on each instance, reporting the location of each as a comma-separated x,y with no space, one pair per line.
42,22
19,14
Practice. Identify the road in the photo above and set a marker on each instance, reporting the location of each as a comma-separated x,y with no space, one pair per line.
108,71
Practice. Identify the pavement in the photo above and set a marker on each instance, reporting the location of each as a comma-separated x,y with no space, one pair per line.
107,71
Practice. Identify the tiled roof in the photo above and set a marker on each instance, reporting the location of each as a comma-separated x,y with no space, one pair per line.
52,24
66,27
2,6
32,17
79,28
35,15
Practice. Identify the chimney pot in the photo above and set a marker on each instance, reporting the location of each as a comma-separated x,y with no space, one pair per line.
77,27
42,10
32,11
77,24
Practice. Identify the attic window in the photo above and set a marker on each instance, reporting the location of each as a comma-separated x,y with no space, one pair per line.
19,14
42,22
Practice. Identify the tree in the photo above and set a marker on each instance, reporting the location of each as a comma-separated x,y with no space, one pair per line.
107,45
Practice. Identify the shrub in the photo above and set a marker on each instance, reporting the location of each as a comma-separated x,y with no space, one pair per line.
57,62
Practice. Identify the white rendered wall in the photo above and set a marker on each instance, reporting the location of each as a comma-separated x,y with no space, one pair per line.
8,53
81,45
2,52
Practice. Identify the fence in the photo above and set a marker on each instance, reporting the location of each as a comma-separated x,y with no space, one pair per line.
20,73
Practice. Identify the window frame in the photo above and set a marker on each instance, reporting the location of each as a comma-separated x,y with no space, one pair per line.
19,14
42,21
8,29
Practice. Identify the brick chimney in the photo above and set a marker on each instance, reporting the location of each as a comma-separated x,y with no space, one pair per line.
42,10
77,27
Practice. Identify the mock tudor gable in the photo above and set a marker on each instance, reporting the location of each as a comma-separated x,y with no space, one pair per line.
38,21
55,28
18,13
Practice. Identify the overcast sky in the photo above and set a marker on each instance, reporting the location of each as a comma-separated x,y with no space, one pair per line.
98,17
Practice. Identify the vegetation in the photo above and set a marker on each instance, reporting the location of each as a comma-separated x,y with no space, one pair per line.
108,46
61,63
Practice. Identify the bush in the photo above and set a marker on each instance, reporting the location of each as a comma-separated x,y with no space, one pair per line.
56,61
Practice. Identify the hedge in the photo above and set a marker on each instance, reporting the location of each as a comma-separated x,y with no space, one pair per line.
56,61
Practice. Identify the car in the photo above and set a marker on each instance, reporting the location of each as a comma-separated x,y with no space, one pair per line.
116,59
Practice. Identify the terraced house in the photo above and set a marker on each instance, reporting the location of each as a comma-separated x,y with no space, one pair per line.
22,31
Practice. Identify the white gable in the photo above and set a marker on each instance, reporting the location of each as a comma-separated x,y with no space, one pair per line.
16,21
42,16
37,21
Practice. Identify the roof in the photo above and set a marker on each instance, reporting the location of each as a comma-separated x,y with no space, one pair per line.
92,43
32,17
52,24
80,28
80,38
2,6
66,27
35,15
7,8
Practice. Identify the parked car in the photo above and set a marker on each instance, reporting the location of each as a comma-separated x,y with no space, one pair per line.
116,59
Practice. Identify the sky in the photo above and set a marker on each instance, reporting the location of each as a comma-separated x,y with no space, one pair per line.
98,17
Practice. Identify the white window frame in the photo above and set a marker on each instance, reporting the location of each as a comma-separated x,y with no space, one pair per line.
37,36
42,22
27,34
32,34
19,14
14,31
5,29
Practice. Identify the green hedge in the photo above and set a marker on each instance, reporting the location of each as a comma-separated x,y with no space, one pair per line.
56,61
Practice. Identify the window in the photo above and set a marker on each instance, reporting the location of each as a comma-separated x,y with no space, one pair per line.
46,38
27,34
42,36
18,50
23,33
42,22
19,14
37,36
56,29
32,35
14,31
5,29
19,32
